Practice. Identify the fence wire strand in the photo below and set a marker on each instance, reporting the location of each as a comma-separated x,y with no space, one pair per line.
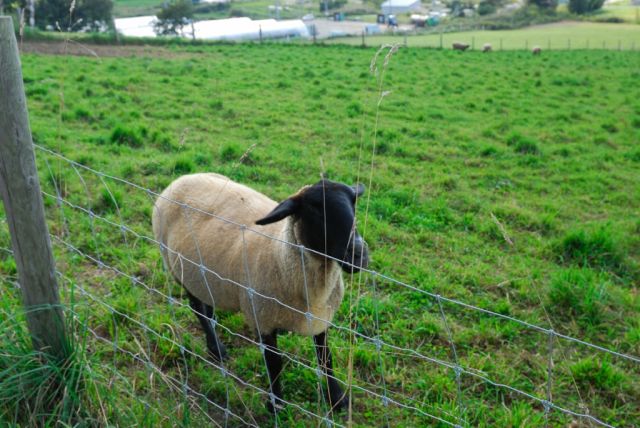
383,346
375,341
374,273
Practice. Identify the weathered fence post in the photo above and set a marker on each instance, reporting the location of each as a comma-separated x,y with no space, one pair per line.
20,189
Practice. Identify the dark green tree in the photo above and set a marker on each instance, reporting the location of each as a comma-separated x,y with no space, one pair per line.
581,7
68,15
544,5
173,17
331,4
487,7
457,7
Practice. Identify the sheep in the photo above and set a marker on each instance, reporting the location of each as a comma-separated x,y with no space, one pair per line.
486,47
458,46
536,50
320,217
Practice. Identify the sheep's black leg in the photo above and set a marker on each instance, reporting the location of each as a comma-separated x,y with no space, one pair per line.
274,368
337,398
204,313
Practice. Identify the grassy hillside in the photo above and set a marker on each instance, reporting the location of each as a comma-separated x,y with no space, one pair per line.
562,36
505,181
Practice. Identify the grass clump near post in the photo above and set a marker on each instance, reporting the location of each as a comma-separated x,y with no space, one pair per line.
37,389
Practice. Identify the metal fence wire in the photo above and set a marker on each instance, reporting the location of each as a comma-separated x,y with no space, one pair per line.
98,243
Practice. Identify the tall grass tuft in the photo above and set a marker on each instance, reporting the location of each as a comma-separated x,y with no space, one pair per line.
37,389
581,294
599,249
123,135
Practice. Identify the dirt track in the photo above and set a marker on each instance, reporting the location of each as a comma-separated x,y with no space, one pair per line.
79,49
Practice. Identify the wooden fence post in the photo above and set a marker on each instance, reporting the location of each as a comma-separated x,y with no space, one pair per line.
20,189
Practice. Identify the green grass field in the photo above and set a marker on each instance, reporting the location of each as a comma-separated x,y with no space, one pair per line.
620,9
564,35
506,181
124,8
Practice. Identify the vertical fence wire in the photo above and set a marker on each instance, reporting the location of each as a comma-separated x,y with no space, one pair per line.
456,369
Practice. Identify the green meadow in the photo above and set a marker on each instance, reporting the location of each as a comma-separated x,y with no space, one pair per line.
504,181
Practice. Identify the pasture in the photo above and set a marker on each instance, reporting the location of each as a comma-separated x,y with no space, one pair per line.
504,181
557,36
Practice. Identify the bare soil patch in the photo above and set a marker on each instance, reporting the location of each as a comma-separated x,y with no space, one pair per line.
82,49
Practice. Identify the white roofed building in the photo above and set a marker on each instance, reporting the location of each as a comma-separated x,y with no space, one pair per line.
394,7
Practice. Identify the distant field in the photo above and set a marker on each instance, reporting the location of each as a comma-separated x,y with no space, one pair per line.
628,13
258,9
564,35
124,8
506,181
620,9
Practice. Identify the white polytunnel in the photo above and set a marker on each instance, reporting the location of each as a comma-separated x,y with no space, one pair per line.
282,29
138,26
231,29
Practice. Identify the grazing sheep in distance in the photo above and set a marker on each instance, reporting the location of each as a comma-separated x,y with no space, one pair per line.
536,50
320,217
486,47
458,46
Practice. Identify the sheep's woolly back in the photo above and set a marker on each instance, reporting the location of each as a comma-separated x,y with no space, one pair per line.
270,267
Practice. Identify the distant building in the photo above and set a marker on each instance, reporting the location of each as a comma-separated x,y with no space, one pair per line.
219,29
393,7
138,26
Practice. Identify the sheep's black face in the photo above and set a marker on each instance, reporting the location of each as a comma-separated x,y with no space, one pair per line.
326,212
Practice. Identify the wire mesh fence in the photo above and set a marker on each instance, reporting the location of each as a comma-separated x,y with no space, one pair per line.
137,319
477,38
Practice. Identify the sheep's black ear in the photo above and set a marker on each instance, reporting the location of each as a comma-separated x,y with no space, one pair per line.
358,189
284,209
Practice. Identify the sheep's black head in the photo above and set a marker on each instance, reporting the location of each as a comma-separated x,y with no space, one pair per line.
326,212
